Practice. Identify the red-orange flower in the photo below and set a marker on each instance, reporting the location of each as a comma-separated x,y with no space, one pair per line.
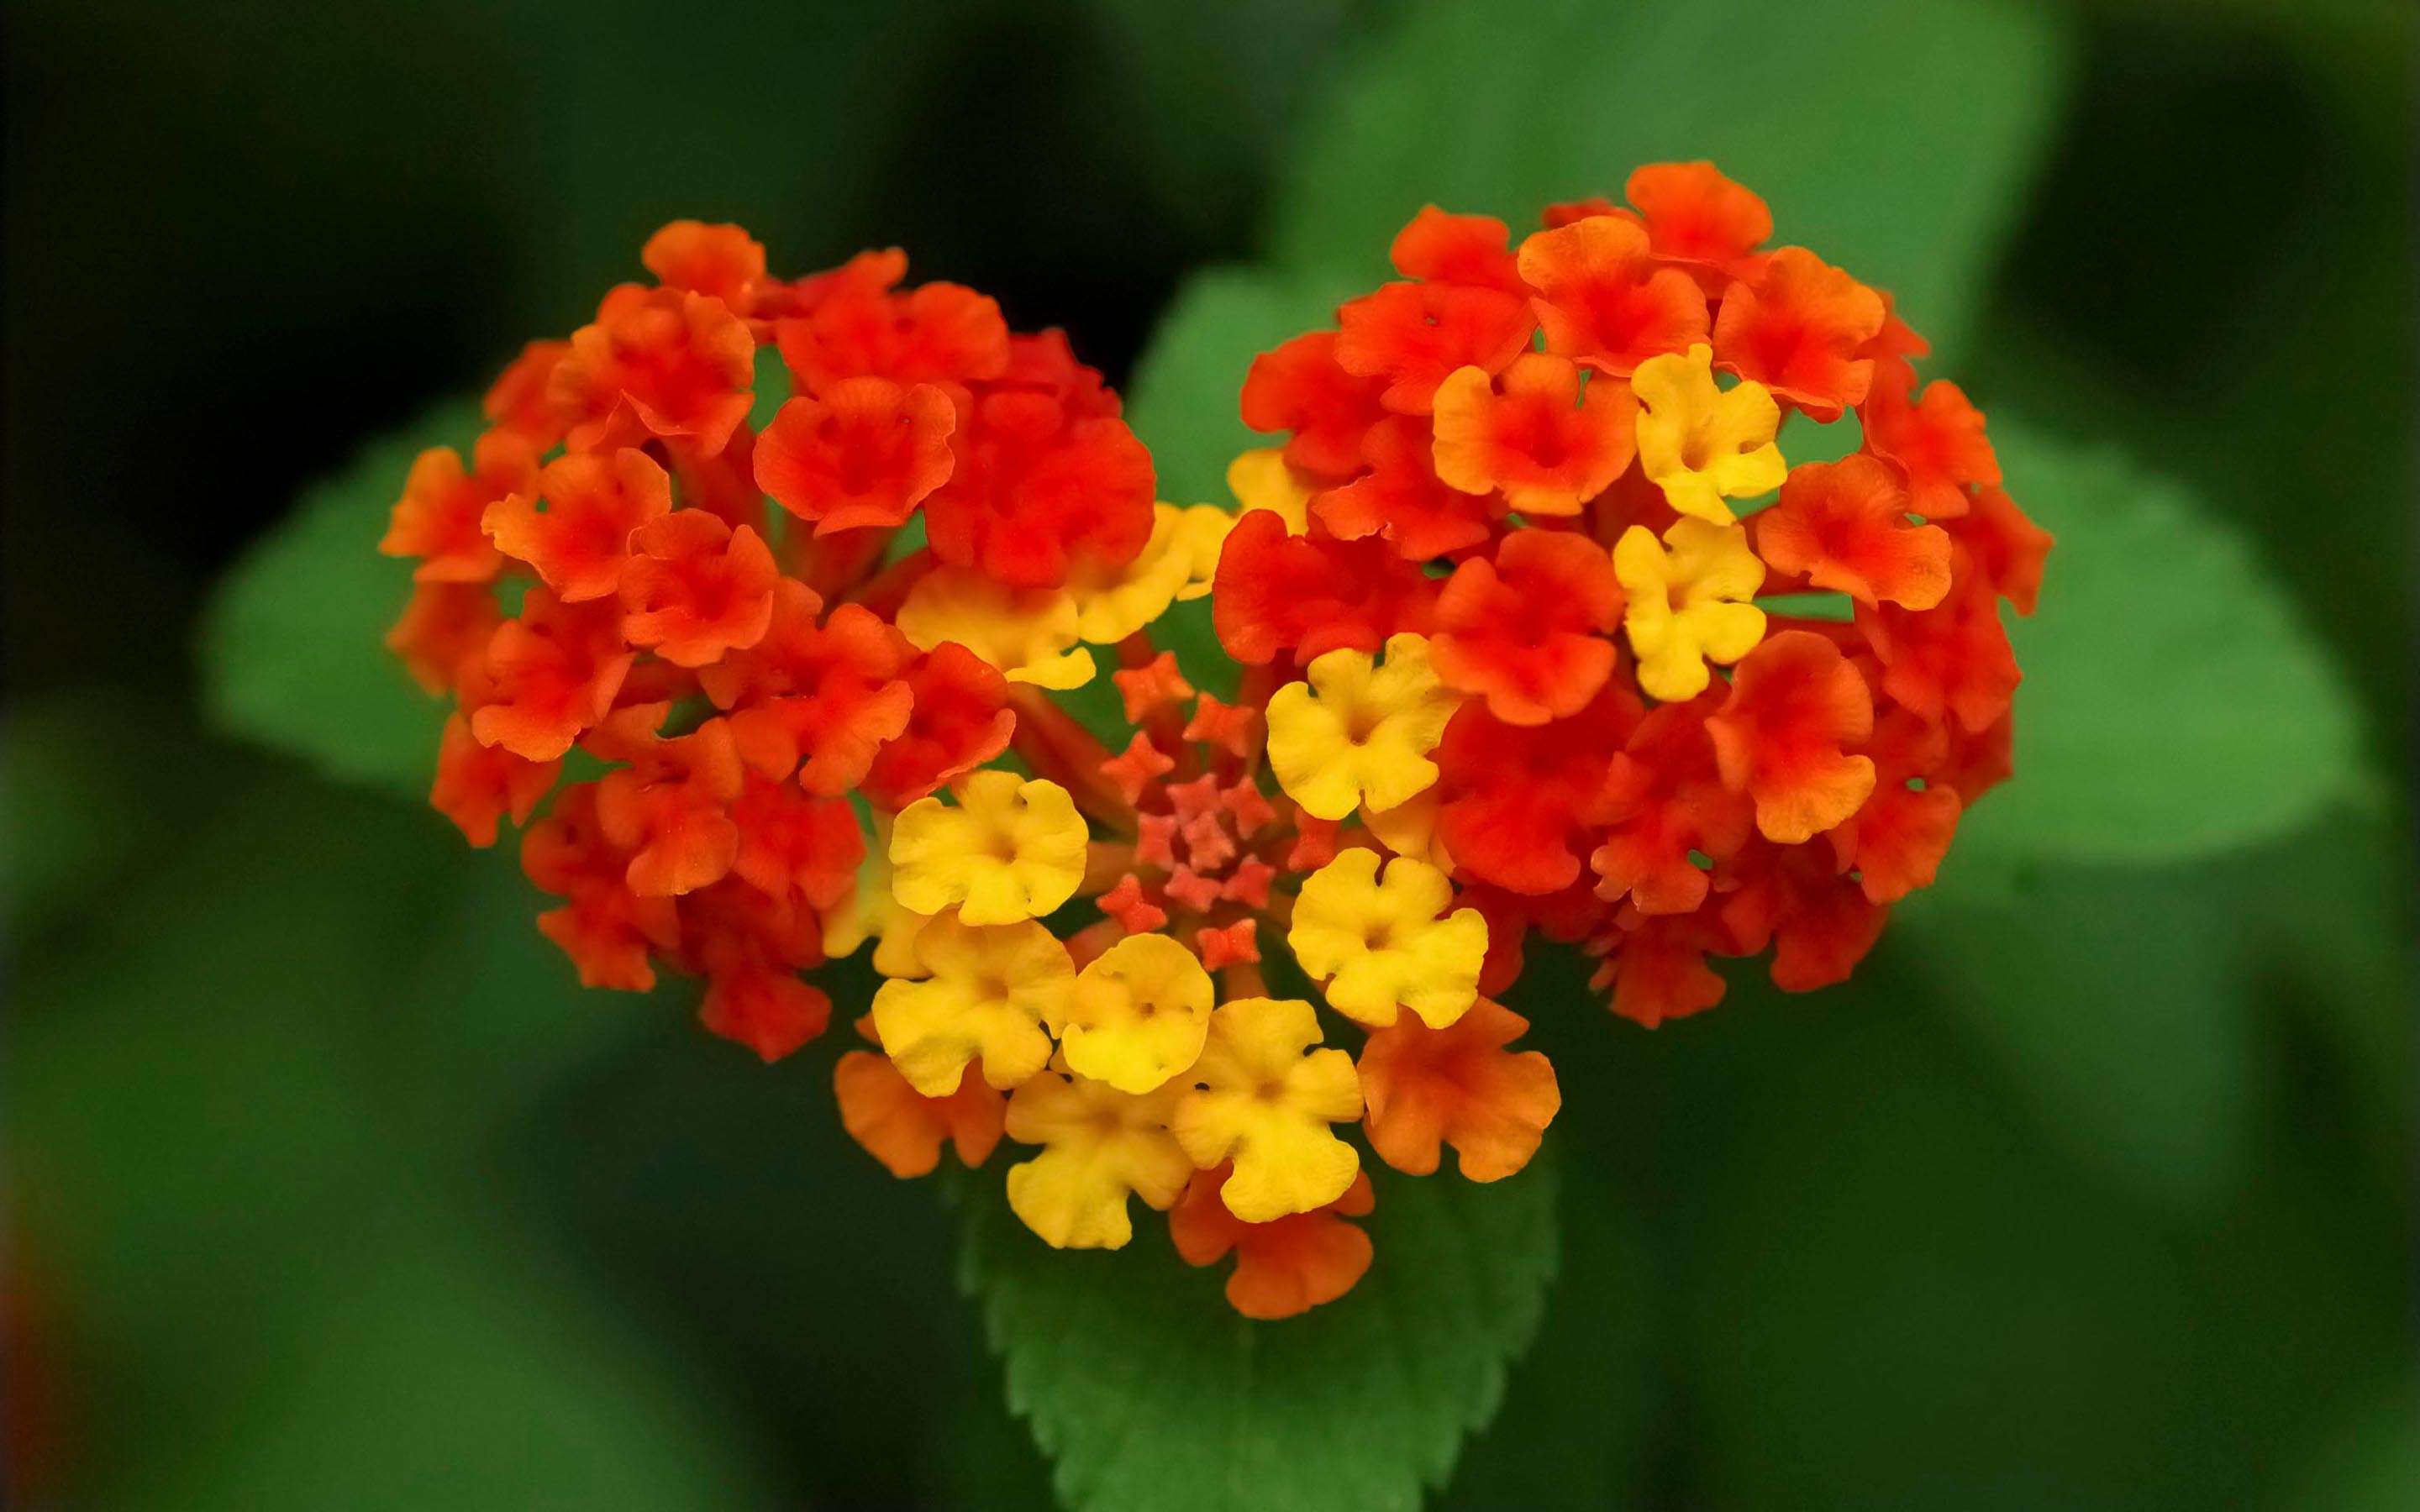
1844,526
1414,334
1424,1088
1799,328
1664,798
1695,214
1300,387
1515,796
1533,435
694,588
903,1128
1528,630
1038,490
1444,248
1284,1267
656,362
438,518
594,499
1278,592
1402,498
1782,737
1937,444
864,452
1603,299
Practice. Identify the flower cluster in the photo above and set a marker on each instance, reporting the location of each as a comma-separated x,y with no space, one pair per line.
738,634
1517,642
1691,700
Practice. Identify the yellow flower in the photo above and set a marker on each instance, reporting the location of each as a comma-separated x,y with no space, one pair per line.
1113,603
1099,1145
1029,634
1686,603
1201,533
1358,733
985,1001
1260,1100
1260,480
1138,1014
1382,944
1012,849
1702,444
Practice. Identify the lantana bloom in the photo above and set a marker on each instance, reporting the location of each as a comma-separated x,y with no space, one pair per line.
1527,625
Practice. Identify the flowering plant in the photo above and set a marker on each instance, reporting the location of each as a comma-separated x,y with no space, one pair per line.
1521,648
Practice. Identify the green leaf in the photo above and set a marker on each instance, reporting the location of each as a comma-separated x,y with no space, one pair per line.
1896,137
2175,704
292,652
1149,1394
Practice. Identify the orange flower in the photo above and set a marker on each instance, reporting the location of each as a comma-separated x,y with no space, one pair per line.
1284,1267
1402,499
1604,301
1528,631
1799,328
1795,703
1844,526
1038,488
1300,387
1938,445
1414,334
1695,214
936,334
477,785
1953,660
656,362
1663,798
438,518
670,806
2007,549
1895,843
723,261
1472,250
695,587
865,452
1533,434
594,500
1457,1085
1277,593
445,628
548,675
900,1126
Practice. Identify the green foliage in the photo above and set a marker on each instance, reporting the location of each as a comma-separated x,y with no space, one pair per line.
293,655
204,1110
1897,137
2175,703
1150,1394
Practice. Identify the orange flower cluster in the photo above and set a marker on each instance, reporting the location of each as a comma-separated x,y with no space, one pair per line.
1707,704
627,575
1538,630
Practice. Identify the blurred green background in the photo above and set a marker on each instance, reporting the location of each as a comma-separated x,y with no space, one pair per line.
327,1189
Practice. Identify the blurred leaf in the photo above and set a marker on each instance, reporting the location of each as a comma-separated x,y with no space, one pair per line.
2175,705
2125,1004
293,653
275,1294
1149,1394
80,775
1901,1297
1210,95
1897,137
